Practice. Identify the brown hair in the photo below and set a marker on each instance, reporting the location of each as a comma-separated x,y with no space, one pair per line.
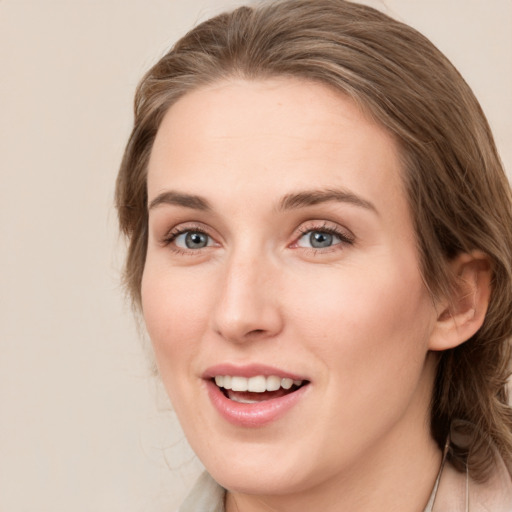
458,193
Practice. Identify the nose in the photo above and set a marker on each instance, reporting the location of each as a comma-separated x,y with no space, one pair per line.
247,307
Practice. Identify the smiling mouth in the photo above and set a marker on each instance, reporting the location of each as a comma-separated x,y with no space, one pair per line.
256,389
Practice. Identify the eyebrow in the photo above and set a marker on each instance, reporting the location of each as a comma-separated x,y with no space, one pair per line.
180,199
312,197
291,201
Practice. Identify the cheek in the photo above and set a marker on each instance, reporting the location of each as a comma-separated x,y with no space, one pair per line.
176,312
369,330
367,319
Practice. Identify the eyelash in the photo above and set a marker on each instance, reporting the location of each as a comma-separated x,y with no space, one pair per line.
174,233
345,238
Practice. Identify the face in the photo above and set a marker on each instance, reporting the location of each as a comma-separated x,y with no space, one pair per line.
282,290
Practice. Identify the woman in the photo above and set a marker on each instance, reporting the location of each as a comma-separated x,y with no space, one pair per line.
320,241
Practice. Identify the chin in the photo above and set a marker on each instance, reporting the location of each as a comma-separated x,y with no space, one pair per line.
266,466
269,479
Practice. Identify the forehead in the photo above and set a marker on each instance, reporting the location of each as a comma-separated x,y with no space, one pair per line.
272,136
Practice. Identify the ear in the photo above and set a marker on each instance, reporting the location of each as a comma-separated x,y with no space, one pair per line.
460,316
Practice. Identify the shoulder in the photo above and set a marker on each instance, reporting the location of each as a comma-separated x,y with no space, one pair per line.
457,492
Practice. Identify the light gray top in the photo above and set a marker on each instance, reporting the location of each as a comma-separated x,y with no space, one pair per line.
206,496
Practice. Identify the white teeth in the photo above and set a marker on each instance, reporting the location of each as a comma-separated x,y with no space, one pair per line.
239,383
273,383
287,383
257,384
243,400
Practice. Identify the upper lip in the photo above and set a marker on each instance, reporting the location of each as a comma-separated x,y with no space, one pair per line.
249,370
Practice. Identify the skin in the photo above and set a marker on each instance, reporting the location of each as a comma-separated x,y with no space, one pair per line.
354,318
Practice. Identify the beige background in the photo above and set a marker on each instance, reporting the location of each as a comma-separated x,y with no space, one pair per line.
82,425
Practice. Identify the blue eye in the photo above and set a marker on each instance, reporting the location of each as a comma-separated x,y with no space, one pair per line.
318,239
192,240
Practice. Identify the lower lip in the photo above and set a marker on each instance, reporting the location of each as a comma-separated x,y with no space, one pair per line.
253,415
